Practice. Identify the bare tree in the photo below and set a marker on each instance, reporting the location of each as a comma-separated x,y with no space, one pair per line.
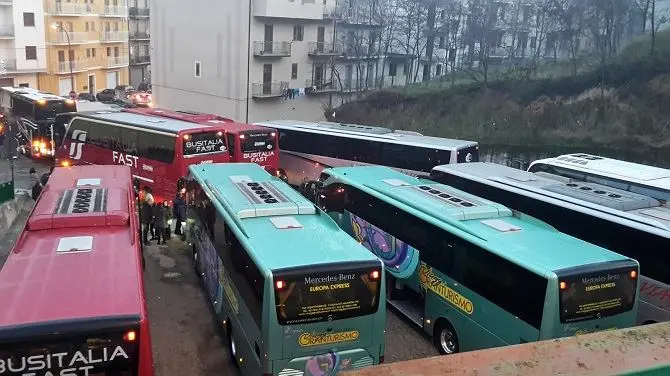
569,14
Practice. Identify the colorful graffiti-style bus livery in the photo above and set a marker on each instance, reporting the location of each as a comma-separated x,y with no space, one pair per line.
294,293
71,291
472,273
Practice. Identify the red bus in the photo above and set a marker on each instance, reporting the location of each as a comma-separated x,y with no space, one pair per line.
158,150
247,143
71,290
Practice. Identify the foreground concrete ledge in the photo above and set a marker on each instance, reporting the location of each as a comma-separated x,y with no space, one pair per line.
642,350
11,209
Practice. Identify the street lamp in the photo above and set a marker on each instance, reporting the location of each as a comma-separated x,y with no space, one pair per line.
57,26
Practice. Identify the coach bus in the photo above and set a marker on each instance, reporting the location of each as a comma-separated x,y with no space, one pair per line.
307,148
71,290
247,143
472,273
32,114
628,223
158,151
294,294
633,177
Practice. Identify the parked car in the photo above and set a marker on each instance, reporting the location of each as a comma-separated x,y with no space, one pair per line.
106,95
124,92
86,97
142,99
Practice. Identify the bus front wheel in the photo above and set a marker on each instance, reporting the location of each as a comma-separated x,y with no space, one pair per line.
445,337
232,346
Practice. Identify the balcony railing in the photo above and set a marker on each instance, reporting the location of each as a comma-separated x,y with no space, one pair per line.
138,12
139,35
324,49
269,89
273,49
61,37
6,30
116,61
115,11
114,36
331,12
140,59
7,65
321,85
65,9
63,67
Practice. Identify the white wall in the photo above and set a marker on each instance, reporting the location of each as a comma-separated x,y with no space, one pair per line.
29,36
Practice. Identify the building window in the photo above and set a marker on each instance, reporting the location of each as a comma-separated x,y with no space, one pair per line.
28,19
31,52
109,51
93,52
88,52
298,33
24,85
198,73
294,71
393,67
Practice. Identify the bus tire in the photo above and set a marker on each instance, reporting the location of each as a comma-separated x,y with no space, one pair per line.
445,338
232,346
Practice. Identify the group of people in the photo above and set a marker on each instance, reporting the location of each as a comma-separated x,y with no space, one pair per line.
156,218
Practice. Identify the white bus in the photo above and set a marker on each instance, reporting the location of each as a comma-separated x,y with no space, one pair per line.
308,147
628,223
633,177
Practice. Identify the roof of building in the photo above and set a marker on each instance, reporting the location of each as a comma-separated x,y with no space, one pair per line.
63,265
525,240
279,222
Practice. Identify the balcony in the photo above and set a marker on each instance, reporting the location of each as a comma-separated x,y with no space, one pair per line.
272,49
137,12
63,67
269,89
324,49
297,10
114,36
6,31
318,86
7,65
77,37
116,61
69,9
140,59
6,2
115,11
139,35
331,12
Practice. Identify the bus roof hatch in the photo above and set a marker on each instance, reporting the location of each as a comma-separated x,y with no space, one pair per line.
605,196
266,199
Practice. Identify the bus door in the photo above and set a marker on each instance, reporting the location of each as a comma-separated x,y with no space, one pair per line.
260,147
203,147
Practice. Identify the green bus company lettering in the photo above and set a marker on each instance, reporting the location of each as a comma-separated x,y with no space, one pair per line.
433,283
318,339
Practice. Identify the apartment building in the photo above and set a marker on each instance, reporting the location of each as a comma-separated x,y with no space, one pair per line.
22,46
138,33
255,60
86,45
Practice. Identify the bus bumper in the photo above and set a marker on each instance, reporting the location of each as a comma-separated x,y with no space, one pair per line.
326,364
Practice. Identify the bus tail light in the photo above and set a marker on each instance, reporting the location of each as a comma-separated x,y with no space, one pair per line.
280,285
187,137
130,336
273,134
633,274
562,285
219,134
374,275
65,163
242,136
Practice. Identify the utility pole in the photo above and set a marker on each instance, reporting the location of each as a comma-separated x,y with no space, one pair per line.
56,26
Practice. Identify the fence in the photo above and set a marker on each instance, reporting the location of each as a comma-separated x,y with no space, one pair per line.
6,182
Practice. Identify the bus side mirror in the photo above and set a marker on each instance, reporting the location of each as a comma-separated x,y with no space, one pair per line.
331,198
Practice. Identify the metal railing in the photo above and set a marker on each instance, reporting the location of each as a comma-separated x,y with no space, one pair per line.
140,59
116,61
138,12
63,67
139,35
6,30
69,8
7,65
325,49
269,89
332,12
115,10
269,48
114,36
322,85
61,37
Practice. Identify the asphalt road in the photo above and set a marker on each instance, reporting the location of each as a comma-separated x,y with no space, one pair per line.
22,167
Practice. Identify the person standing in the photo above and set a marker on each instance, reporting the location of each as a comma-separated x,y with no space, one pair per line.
146,216
160,221
179,211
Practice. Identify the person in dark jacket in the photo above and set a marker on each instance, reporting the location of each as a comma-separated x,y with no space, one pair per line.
179,211
146,216
160,221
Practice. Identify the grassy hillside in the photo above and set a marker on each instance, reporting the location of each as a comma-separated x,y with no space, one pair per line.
633,108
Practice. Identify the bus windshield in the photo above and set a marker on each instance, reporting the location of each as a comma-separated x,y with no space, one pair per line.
257,141
114,353
597,294
204,143
326,296
50,109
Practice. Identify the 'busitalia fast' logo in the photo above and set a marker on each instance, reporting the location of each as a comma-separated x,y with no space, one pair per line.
317,339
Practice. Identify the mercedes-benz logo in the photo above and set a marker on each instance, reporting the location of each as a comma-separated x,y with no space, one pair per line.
468,157
330,317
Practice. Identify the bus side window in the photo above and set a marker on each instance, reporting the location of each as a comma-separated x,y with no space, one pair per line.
332,198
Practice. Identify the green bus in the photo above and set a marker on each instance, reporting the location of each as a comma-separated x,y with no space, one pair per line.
293,293
472,273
